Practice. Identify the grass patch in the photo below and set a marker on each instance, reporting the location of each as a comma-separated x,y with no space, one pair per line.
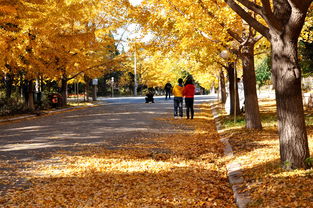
230,122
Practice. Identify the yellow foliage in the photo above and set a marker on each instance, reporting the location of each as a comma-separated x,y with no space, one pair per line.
59,39
307,32
193,32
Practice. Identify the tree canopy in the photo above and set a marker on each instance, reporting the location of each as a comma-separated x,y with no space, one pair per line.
58,38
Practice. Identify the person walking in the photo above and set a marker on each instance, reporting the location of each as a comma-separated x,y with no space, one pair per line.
178,99
168,89
189,93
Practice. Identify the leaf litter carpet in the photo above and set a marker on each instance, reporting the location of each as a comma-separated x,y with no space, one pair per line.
174,170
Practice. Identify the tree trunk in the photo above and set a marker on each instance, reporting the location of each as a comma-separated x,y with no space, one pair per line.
291,124
94,92
233,81
87,80
64,91
222,87
252,114
30,90
8,85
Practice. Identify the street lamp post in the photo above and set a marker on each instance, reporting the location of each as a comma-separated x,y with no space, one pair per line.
94,89
224,54
112,86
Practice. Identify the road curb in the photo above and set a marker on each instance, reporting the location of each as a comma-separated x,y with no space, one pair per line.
234,170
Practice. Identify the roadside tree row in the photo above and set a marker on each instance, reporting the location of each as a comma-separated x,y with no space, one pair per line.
200,32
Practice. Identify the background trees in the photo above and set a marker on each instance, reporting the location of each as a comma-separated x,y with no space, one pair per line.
182,26
200,31
306,45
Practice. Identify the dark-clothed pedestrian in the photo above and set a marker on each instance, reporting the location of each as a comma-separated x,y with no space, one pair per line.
149,96
168,89
189,93
178,99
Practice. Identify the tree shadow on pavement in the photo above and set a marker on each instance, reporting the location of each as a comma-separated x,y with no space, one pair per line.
180,173
36,140
176,166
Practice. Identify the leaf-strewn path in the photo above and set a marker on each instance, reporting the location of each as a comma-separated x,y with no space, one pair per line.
114,155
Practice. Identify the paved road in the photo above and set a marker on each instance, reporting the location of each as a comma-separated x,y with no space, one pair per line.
116,121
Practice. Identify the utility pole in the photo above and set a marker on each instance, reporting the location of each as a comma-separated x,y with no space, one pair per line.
135,74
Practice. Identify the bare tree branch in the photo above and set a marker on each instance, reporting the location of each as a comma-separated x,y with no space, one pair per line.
297,17
252,6
300,4
269,17
257,38
249,19
122,35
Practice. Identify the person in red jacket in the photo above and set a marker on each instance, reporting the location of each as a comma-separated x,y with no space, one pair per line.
189,93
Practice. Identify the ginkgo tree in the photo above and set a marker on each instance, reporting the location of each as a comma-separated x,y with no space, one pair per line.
239,40
284,20
172,43
10,32
155,68
59,40
83,45
280,21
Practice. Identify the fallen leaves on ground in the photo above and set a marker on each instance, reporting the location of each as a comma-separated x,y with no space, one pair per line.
172,170
258,153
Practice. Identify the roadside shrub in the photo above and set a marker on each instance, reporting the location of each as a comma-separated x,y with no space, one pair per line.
263,72
45,103
11,106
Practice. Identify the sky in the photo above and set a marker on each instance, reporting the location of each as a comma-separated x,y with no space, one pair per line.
128,32
135,2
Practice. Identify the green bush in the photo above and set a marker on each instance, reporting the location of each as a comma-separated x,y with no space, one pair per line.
263,71
11,106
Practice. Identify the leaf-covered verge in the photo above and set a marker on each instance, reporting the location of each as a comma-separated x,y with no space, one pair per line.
177,170
258,152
